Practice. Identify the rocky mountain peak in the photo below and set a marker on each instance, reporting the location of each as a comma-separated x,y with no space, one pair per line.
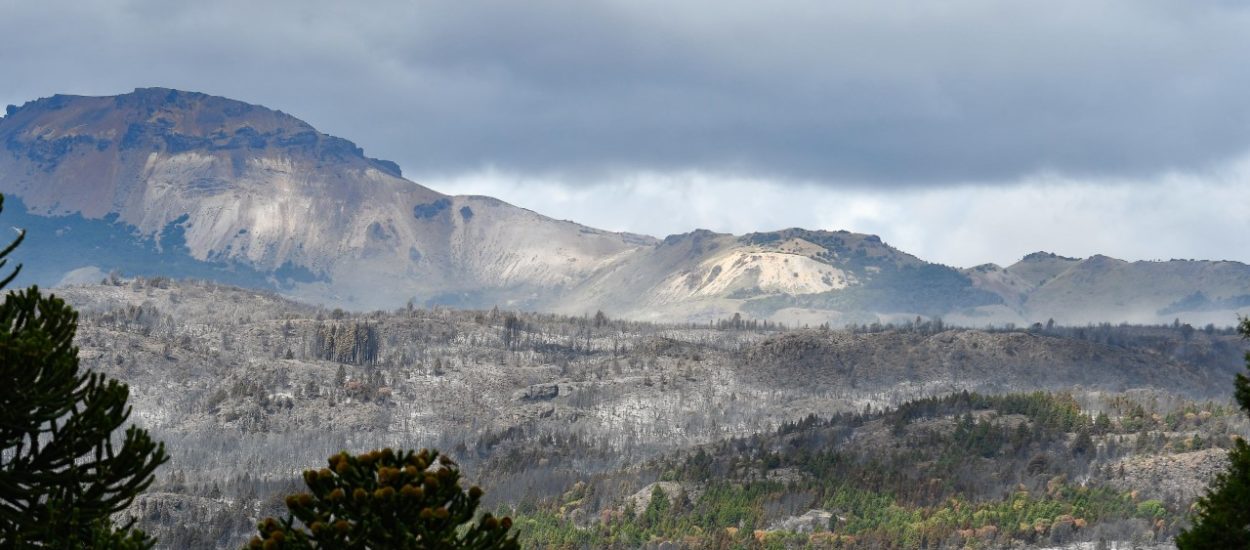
169,121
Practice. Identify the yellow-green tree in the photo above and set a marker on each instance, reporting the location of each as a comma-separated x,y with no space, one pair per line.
385,499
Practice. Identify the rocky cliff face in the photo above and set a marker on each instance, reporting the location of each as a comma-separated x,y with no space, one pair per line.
164,182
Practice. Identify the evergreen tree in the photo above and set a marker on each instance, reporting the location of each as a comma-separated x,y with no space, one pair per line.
385,499
62,471
1223,517
657,509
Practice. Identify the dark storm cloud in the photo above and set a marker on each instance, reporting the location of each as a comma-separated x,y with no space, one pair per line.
878,92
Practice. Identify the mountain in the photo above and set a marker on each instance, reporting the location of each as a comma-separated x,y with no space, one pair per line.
178,183
166,182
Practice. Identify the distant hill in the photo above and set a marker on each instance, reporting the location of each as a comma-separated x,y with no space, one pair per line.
1102,289
166,182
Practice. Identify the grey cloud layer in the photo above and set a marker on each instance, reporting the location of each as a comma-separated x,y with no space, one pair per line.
878,92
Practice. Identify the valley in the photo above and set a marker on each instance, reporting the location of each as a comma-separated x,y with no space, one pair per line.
755,433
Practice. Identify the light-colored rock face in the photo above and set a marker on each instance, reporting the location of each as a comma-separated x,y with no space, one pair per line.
767,270
272,210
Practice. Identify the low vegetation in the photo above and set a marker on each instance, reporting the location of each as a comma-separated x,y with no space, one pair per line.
966,469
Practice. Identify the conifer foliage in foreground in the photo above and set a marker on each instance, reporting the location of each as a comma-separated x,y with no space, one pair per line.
62,472
1223,518
385,499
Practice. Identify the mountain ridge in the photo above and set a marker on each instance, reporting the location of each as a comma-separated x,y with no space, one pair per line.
167,182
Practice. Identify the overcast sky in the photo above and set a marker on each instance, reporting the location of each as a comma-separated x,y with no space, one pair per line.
962,131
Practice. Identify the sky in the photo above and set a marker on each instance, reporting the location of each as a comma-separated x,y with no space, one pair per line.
961,131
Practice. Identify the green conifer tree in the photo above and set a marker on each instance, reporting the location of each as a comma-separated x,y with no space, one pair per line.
384,499
62,471
1222,520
